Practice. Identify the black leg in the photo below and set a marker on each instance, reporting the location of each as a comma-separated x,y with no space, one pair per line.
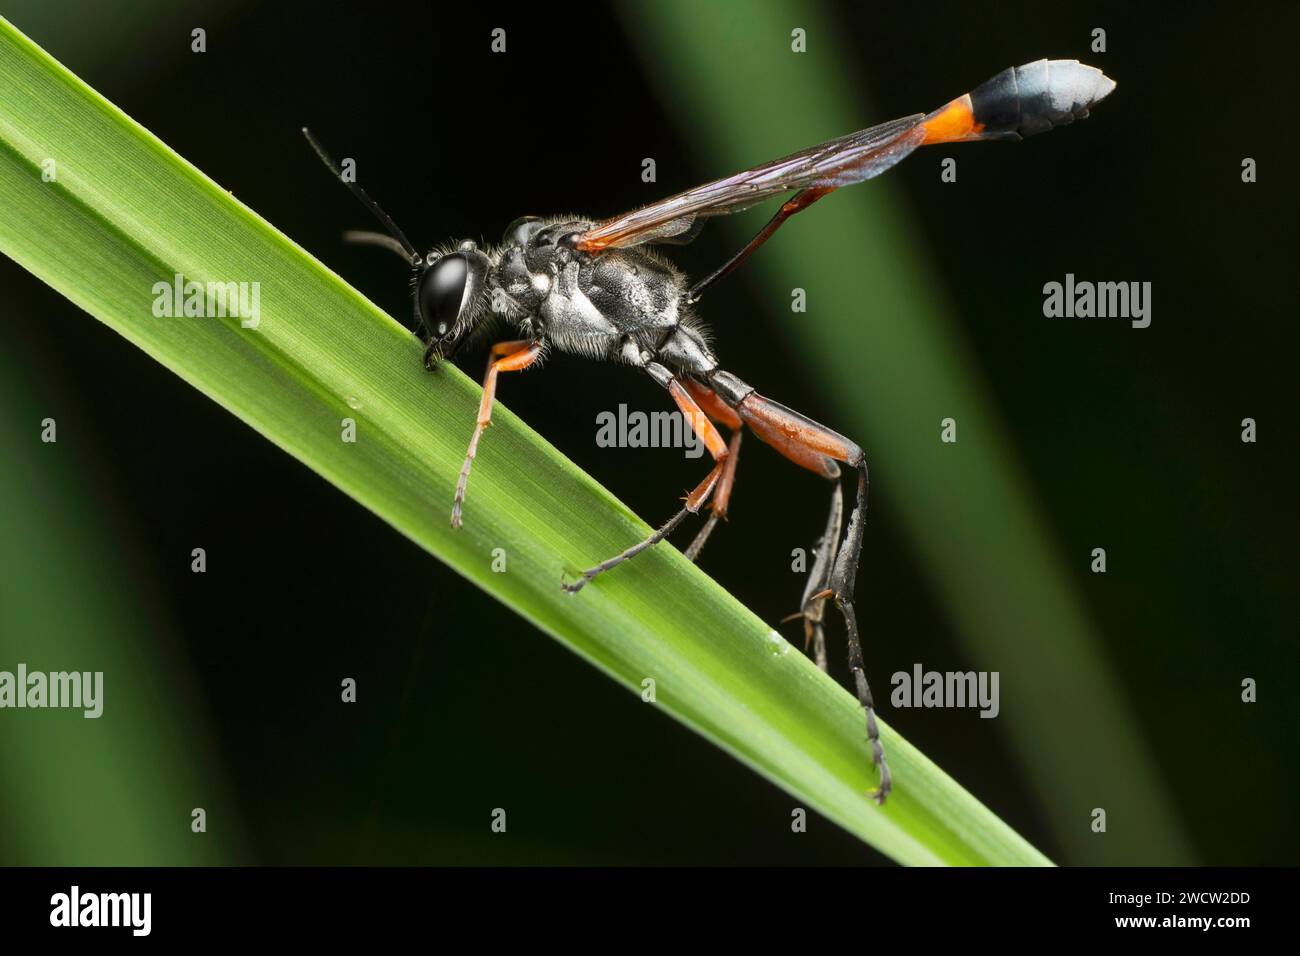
664,531
816,592
818,448
842,581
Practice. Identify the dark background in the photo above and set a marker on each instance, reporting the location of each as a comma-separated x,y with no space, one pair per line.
464,708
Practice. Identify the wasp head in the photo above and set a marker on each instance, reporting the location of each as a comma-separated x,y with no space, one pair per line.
451,296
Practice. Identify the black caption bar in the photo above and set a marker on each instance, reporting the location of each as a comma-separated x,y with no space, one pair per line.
336,905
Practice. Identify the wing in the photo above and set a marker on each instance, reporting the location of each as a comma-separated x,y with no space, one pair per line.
840,162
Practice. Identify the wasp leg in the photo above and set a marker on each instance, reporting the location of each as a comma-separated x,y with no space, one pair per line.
721,498
796,203
817,590
720,412
843,577
712,438
818,448
515,357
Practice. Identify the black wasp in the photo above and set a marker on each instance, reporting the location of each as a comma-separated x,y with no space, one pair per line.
595,289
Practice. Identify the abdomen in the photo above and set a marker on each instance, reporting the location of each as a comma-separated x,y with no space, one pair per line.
1036,97
1019,101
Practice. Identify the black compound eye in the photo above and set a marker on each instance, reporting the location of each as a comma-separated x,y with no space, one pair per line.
442,289
521,230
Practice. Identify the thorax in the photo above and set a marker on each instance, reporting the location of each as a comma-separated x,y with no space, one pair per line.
616,292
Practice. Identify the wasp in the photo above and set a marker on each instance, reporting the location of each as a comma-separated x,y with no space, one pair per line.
604,290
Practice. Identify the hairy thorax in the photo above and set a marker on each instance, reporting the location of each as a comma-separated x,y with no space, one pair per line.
623,304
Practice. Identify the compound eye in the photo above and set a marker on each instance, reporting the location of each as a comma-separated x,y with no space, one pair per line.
521,230
442,290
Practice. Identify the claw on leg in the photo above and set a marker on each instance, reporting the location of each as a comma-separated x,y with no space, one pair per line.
664,531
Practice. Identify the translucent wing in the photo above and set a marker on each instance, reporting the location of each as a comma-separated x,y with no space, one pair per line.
840,162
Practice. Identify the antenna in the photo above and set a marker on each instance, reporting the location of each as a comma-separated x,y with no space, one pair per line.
364,237
361,194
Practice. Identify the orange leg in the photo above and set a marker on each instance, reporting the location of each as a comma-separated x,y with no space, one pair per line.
515,356
713,406
717,476
721,412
